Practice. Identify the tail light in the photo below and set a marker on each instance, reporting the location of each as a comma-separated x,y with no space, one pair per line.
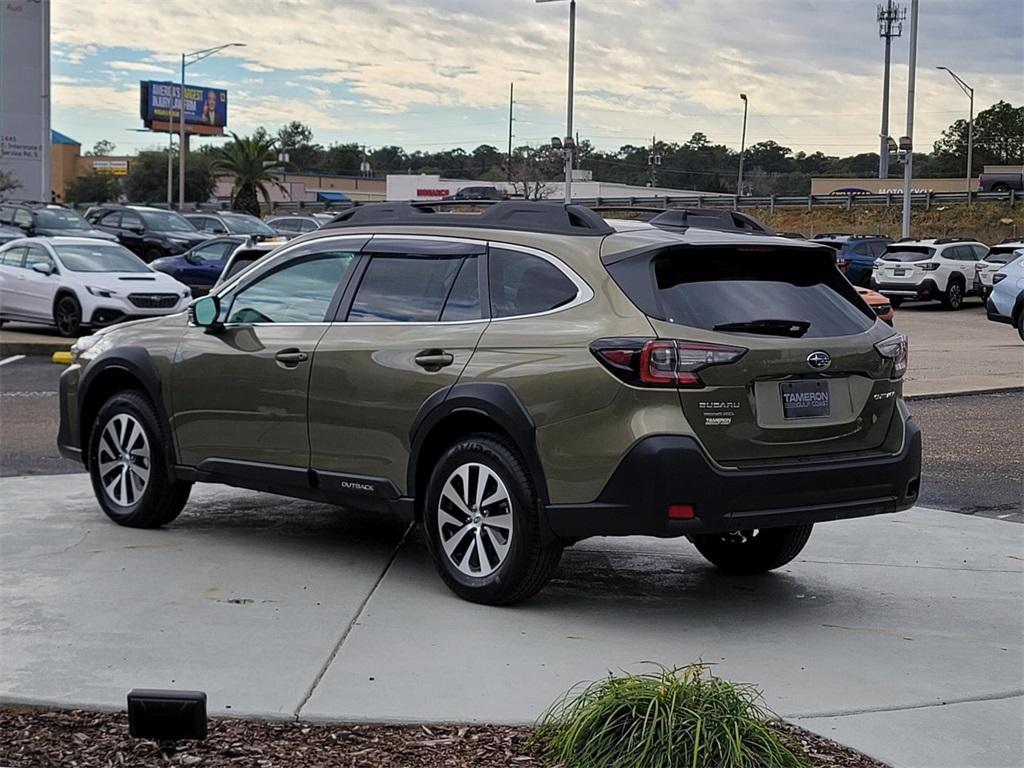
662,362
929,266
895,348
979,266
998,277
841,263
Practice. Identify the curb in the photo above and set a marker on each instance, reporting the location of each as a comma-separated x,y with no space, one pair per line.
966,392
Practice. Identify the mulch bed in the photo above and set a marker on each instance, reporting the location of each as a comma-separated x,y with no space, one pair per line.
35,738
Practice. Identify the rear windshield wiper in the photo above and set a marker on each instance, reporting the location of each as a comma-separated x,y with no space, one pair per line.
794,328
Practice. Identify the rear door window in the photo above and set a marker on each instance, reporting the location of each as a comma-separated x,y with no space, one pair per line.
524,284
406,288
724,289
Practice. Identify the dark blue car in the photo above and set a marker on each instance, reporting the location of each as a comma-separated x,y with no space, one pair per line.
855,254
199,267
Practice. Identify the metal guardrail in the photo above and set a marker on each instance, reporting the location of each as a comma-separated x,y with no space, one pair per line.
734,202
718,202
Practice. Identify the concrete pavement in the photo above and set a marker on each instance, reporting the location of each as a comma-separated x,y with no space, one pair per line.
281,608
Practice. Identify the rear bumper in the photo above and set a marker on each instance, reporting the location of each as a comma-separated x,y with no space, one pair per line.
923,290
993,313
672,469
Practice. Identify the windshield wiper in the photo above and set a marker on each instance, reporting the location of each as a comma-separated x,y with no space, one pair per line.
794,328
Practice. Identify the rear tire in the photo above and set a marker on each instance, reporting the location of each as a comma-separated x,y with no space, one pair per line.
152,254
953,298
753,551
67,316
128,464
1000,187
477,480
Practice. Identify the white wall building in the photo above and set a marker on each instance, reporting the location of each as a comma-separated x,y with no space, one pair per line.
430,187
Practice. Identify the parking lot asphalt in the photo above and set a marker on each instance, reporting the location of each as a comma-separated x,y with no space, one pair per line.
973,457
899,635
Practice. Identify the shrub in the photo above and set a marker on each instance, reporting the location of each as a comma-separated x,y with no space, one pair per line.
669,719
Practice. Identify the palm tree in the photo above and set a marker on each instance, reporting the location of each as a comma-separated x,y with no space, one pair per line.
249,159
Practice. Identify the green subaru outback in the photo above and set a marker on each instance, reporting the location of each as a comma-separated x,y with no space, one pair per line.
514,381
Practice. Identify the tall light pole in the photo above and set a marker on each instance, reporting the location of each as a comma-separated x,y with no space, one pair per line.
743,145
970,126
195,56
569,149
907,142
890,24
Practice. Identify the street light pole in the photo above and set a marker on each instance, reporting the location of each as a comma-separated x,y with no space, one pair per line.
195,56
908,167
568,150
970,127
743,145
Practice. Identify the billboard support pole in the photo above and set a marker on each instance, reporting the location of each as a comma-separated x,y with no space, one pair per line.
181,139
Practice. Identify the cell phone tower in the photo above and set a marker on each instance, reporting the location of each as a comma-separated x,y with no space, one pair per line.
890,25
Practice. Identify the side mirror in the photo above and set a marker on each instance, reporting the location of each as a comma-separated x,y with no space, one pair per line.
42,268
205,311
220,231
138,230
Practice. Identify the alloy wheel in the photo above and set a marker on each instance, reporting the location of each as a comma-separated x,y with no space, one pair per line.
474,519
123,460
67,317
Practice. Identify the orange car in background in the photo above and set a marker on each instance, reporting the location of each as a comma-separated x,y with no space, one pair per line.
879,303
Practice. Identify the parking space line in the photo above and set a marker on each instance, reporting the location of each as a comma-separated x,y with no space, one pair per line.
11,359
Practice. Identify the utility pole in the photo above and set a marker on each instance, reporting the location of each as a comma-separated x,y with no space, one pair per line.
907,142
511,102
890,25
568,125
653,161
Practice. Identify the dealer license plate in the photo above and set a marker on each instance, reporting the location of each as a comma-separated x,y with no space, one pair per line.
805,399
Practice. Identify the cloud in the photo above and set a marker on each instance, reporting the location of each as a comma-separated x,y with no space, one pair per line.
812,69
137,66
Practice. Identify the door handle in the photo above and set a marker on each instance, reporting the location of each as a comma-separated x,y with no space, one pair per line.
291,357
434,359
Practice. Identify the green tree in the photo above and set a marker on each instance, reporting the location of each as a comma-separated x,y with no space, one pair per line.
102,147
998,140
93,188
8,182
296,139
250,160
146,181
343,159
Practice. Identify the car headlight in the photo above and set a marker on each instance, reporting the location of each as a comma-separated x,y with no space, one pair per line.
103,293
83,344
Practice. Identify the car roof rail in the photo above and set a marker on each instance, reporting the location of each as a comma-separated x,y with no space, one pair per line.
822,235
1006,240
870,237
527,216
948,240
706,218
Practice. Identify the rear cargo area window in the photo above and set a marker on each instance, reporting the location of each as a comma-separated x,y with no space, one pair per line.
736,291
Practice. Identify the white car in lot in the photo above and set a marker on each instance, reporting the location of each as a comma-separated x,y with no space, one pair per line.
74,282
998,256
1005,303
933,269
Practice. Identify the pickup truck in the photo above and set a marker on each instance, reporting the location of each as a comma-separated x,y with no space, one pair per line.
1002,180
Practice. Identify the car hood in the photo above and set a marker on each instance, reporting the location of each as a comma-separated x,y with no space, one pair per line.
133,282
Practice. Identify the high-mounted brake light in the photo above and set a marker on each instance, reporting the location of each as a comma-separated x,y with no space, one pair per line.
896,349
662,362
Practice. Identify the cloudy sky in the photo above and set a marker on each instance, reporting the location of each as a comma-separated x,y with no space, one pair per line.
430,74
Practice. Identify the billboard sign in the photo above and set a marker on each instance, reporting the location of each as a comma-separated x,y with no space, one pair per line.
111,167
203,106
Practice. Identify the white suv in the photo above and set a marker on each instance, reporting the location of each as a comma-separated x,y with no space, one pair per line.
998,257
931,270
74,282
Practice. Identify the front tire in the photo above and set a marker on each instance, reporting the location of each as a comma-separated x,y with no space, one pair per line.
1020,326
152,254
895,301
482,524
753,551
953,298
128,464
67,316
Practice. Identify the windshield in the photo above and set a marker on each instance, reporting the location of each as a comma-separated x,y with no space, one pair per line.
246,225
101,257
59,218
908,253
166,221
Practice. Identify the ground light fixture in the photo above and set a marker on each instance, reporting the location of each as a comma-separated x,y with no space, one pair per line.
166,717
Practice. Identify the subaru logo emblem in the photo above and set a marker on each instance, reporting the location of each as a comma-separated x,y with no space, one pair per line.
819,360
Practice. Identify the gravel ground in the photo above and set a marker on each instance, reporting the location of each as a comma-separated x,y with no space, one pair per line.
31,738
